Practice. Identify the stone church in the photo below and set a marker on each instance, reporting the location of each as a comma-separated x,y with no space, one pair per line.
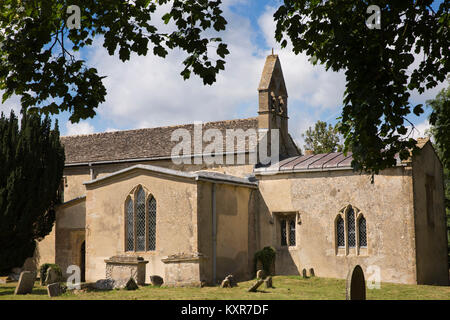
191,223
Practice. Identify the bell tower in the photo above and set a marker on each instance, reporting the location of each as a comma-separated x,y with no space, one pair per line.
273,105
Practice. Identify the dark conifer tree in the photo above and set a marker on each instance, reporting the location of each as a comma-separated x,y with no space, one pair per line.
31,168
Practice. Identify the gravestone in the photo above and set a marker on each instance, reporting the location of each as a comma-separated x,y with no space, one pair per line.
26,282
225,283
356,284
233,282
104,284
156,281
260,274
256,285
268,282
304,274
311,272
53,276
54,289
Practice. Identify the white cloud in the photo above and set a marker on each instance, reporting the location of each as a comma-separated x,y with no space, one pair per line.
305,82
149,91
11,104
82,127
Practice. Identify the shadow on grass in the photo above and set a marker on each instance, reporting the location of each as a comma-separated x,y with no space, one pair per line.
4,291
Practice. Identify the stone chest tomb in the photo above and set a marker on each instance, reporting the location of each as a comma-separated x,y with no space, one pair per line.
123,267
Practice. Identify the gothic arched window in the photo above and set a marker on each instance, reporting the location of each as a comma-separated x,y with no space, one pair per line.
362,233
340,232
351,239
140,221
129,233
151,223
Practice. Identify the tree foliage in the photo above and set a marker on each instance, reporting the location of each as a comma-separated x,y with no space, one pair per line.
376,64
322,139
32,162
37,60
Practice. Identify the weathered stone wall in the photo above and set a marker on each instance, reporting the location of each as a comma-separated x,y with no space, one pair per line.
430,219
232,205
176,227
387,206
76,176
233,249
70,234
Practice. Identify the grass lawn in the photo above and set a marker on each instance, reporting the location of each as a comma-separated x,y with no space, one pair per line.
286,288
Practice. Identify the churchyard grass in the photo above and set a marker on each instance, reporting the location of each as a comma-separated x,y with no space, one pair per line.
285,288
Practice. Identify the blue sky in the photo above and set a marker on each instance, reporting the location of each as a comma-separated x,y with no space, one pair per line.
149,92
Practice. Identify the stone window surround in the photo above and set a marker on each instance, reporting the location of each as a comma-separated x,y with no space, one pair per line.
357,250
287,215
133,196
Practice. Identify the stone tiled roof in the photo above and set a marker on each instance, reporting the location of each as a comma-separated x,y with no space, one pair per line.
139,144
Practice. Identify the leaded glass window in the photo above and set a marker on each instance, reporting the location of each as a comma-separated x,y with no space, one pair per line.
283,232
151,223
140,220
292,232
129,226
351,228
362,232
340,232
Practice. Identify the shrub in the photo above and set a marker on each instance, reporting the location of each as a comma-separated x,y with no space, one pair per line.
267,257
43,270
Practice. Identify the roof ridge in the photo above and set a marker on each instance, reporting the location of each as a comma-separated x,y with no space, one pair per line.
163,127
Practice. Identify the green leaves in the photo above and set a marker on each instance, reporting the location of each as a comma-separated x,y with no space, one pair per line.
376,63
37,61
322,139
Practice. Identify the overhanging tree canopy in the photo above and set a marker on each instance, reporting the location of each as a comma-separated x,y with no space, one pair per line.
36,62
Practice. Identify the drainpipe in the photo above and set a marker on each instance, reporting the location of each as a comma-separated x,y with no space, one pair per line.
214,230
91,171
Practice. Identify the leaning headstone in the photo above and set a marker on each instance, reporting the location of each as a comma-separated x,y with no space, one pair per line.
268,282
104,284
225,283
54,290
304,274
26,282
131,284
356,284
156,281
232,281
260,274
52,276
255,286
311,272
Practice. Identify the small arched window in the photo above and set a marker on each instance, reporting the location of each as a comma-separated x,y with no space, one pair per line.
351,237
340,232
362,233
151,223
140,220
129,242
